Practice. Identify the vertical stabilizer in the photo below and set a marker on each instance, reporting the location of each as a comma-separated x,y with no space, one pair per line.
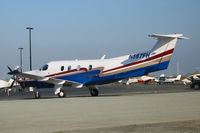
164,48
165,42
178,77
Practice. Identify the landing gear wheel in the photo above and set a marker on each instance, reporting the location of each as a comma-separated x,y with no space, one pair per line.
37,95
94,92
61,94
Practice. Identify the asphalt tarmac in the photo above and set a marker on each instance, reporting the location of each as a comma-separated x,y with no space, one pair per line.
104,90
128,109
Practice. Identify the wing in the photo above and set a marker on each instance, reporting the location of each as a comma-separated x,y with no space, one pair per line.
54,81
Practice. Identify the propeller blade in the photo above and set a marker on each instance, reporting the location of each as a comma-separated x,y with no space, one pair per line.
12,83
9,69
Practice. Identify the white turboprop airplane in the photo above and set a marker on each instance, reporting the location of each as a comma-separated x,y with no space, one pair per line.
164,79
90,73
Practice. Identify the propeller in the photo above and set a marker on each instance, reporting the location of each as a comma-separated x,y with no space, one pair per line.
14,78
12,83
9,69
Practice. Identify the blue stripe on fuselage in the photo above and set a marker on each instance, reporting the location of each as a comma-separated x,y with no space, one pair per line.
86,78
83,78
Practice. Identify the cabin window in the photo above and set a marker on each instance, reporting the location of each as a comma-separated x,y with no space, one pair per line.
69,67
90,67
62,68
44,68
78,67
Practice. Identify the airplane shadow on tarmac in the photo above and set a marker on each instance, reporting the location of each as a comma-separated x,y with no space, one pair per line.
55,97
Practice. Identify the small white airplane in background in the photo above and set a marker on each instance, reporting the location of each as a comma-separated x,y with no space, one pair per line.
128,81
146,79
164,79
143,79
90,73
7,85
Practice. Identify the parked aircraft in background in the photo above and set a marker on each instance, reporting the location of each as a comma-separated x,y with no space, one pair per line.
194,76
143,79
7,85
164,79
90,73
188,80
128,81
146,79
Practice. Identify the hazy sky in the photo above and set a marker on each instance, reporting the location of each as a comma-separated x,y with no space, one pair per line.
87,29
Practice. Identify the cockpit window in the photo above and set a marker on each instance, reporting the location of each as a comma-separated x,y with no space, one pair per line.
90,67
45,67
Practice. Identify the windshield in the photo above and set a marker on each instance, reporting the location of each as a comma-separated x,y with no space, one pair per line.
45,67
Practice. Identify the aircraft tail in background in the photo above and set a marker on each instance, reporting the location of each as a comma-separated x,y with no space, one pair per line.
178,78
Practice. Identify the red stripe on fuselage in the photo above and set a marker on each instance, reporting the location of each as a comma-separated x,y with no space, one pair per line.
141,61
74,70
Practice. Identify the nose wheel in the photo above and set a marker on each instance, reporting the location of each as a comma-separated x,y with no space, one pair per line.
37,95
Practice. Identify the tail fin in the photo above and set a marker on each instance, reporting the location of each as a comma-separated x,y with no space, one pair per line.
165,42
164,48
178,77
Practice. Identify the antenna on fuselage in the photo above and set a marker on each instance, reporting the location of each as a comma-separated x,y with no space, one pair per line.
103,57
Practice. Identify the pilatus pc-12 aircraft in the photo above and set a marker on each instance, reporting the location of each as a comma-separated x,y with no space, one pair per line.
90,73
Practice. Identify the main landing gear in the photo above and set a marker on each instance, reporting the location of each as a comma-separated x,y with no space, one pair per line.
61,94
94,91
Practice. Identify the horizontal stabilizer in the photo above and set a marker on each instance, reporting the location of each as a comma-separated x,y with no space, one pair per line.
178,36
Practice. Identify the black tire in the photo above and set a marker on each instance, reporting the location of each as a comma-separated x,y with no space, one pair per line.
94,92
37,95
61,94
